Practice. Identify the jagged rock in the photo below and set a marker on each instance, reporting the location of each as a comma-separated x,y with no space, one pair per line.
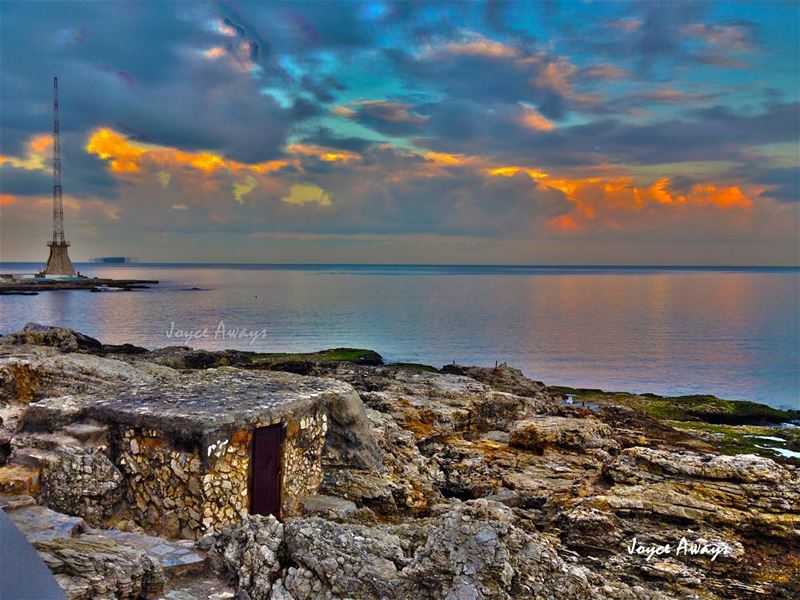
502,378
475,551
430,401
248,555
345,560
98,568
81,483
589,528
566,432
749,493
395,529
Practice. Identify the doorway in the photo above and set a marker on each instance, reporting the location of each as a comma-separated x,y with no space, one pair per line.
265,471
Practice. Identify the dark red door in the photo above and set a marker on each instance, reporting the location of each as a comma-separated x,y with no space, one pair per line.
265,488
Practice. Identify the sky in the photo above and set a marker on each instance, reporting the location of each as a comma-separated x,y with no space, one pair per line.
405,132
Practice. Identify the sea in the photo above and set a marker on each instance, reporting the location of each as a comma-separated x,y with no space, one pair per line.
730,331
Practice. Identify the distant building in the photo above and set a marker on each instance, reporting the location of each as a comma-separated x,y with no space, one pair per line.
115,260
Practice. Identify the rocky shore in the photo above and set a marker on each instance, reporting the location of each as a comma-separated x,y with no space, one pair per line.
460,483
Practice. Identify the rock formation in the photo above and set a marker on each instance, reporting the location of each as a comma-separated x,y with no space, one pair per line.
470,483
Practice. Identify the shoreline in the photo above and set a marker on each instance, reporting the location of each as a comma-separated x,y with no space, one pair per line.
730,426
93,284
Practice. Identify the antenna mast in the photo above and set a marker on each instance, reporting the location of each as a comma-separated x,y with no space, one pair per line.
59,263
58,202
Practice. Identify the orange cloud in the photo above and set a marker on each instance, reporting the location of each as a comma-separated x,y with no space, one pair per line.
598,199
602,199
122,155
322,153
511,171
38,148
342,111
442,158
6,199
41,143
215,52
126,156
532,119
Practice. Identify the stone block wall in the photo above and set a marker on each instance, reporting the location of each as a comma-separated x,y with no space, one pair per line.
182,493
301,467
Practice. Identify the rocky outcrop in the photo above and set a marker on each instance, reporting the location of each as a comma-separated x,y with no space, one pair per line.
29,373
81,483
471,484
564,432
350,440
751,494
501,378
66,340
248,555
475,550
342,561
472,550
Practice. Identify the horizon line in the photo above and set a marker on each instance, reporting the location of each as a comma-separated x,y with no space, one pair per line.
389,264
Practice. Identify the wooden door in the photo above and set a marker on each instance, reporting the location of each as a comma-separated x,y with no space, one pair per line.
265,486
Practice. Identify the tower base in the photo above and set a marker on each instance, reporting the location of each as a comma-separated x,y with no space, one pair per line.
59,262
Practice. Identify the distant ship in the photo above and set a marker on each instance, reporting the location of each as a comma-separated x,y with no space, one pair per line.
115,260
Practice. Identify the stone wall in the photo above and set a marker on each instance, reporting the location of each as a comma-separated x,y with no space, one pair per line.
185,493
302,460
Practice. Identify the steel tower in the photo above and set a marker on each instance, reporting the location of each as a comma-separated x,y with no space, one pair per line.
58,263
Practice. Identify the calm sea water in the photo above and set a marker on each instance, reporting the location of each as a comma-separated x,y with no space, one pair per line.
733,332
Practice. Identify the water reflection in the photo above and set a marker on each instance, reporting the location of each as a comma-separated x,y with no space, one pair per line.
729,332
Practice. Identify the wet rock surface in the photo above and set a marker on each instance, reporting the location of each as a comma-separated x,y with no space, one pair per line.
470,483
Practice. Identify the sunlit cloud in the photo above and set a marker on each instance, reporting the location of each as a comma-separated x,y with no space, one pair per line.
595,198
533,119
443,158
215,52
322,153
345,121
244,187
38,149
342,111
473,44
307,193
126,156
122,156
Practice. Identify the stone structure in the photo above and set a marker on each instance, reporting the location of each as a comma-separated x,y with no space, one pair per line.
185,447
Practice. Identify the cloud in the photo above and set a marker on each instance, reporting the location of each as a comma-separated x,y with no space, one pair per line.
533,120
423,122
732,36
244,187
306,193
391,118
169,87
